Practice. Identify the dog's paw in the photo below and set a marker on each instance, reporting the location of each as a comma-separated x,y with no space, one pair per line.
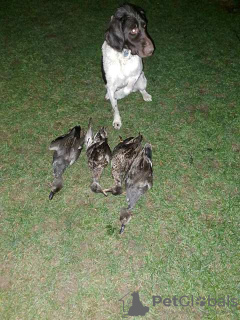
106,96
147,96
117,124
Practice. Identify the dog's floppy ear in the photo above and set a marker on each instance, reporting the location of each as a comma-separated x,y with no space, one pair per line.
114,34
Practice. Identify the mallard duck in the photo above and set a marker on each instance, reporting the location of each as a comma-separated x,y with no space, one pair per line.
139,179
123,156
67,149
99,155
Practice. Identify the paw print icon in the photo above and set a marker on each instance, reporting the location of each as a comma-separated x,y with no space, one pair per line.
201,301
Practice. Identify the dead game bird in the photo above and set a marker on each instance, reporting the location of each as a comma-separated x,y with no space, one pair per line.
99,155
139,179
122,158
67,149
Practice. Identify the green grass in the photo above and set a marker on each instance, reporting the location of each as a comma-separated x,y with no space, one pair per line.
64,259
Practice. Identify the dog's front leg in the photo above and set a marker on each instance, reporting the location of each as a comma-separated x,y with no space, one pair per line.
117,123
141,85
125,91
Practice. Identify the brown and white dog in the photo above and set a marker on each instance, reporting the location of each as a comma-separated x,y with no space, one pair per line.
126,43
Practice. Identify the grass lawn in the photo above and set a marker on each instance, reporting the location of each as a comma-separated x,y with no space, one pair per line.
64,259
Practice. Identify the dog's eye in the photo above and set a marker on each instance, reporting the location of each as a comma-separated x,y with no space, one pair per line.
134,31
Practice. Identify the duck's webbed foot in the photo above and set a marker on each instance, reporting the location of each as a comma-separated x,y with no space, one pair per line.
116,190
96,187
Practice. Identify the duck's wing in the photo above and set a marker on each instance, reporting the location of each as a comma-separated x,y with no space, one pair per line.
140,176
66,140
89,135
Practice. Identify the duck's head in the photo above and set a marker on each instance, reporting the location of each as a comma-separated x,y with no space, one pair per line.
101,135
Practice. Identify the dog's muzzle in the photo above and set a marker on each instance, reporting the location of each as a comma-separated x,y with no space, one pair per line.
148,48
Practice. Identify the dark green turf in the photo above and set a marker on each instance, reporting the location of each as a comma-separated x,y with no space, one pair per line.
63,259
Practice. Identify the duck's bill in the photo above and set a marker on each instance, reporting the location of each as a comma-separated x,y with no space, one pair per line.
51,195
122,229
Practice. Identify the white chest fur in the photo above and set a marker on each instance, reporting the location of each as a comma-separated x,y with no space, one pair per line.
119,66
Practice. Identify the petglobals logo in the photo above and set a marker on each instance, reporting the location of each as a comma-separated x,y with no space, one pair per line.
190,301
132,306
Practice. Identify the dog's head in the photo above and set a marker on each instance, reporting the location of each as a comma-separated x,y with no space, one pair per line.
127,30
